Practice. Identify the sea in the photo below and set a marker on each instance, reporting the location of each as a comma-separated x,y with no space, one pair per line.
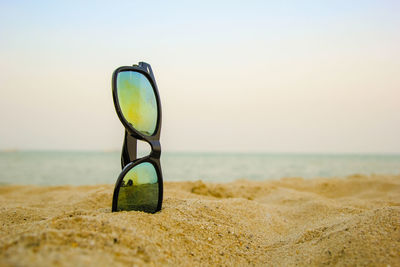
89,168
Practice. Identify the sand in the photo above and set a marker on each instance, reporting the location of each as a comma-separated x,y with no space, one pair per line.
337,221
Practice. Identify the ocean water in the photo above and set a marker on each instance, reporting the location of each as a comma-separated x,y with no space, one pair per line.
85,168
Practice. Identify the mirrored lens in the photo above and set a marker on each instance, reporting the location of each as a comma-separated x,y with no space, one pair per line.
139,189
137,101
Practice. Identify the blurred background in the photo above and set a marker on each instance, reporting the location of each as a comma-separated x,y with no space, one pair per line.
256,90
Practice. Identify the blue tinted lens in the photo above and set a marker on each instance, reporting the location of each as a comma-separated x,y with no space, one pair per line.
137,101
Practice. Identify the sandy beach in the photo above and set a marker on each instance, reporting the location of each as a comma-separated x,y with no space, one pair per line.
292,221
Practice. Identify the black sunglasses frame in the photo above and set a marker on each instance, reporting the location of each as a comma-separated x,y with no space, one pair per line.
129,149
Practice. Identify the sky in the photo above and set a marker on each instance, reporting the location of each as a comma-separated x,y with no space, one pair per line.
233,76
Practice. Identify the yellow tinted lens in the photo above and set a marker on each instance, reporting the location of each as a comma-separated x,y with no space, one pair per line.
139,189
137,101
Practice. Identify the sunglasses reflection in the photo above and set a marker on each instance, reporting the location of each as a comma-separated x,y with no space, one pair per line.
129,183
139,197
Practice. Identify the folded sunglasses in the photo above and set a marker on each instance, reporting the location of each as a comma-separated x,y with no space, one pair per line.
137,102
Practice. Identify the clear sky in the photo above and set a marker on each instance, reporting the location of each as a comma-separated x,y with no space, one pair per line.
288,76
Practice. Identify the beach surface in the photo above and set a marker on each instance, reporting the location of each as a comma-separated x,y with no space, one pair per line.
292,221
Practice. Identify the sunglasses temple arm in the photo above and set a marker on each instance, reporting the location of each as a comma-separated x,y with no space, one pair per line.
129,150
147,67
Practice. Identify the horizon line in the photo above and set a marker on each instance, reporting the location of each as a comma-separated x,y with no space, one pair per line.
207,152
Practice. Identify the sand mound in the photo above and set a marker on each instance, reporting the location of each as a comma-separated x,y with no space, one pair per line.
350,221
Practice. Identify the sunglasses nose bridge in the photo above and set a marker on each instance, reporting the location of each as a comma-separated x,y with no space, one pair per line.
155,149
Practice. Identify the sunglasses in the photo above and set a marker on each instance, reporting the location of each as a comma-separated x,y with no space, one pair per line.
137,102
